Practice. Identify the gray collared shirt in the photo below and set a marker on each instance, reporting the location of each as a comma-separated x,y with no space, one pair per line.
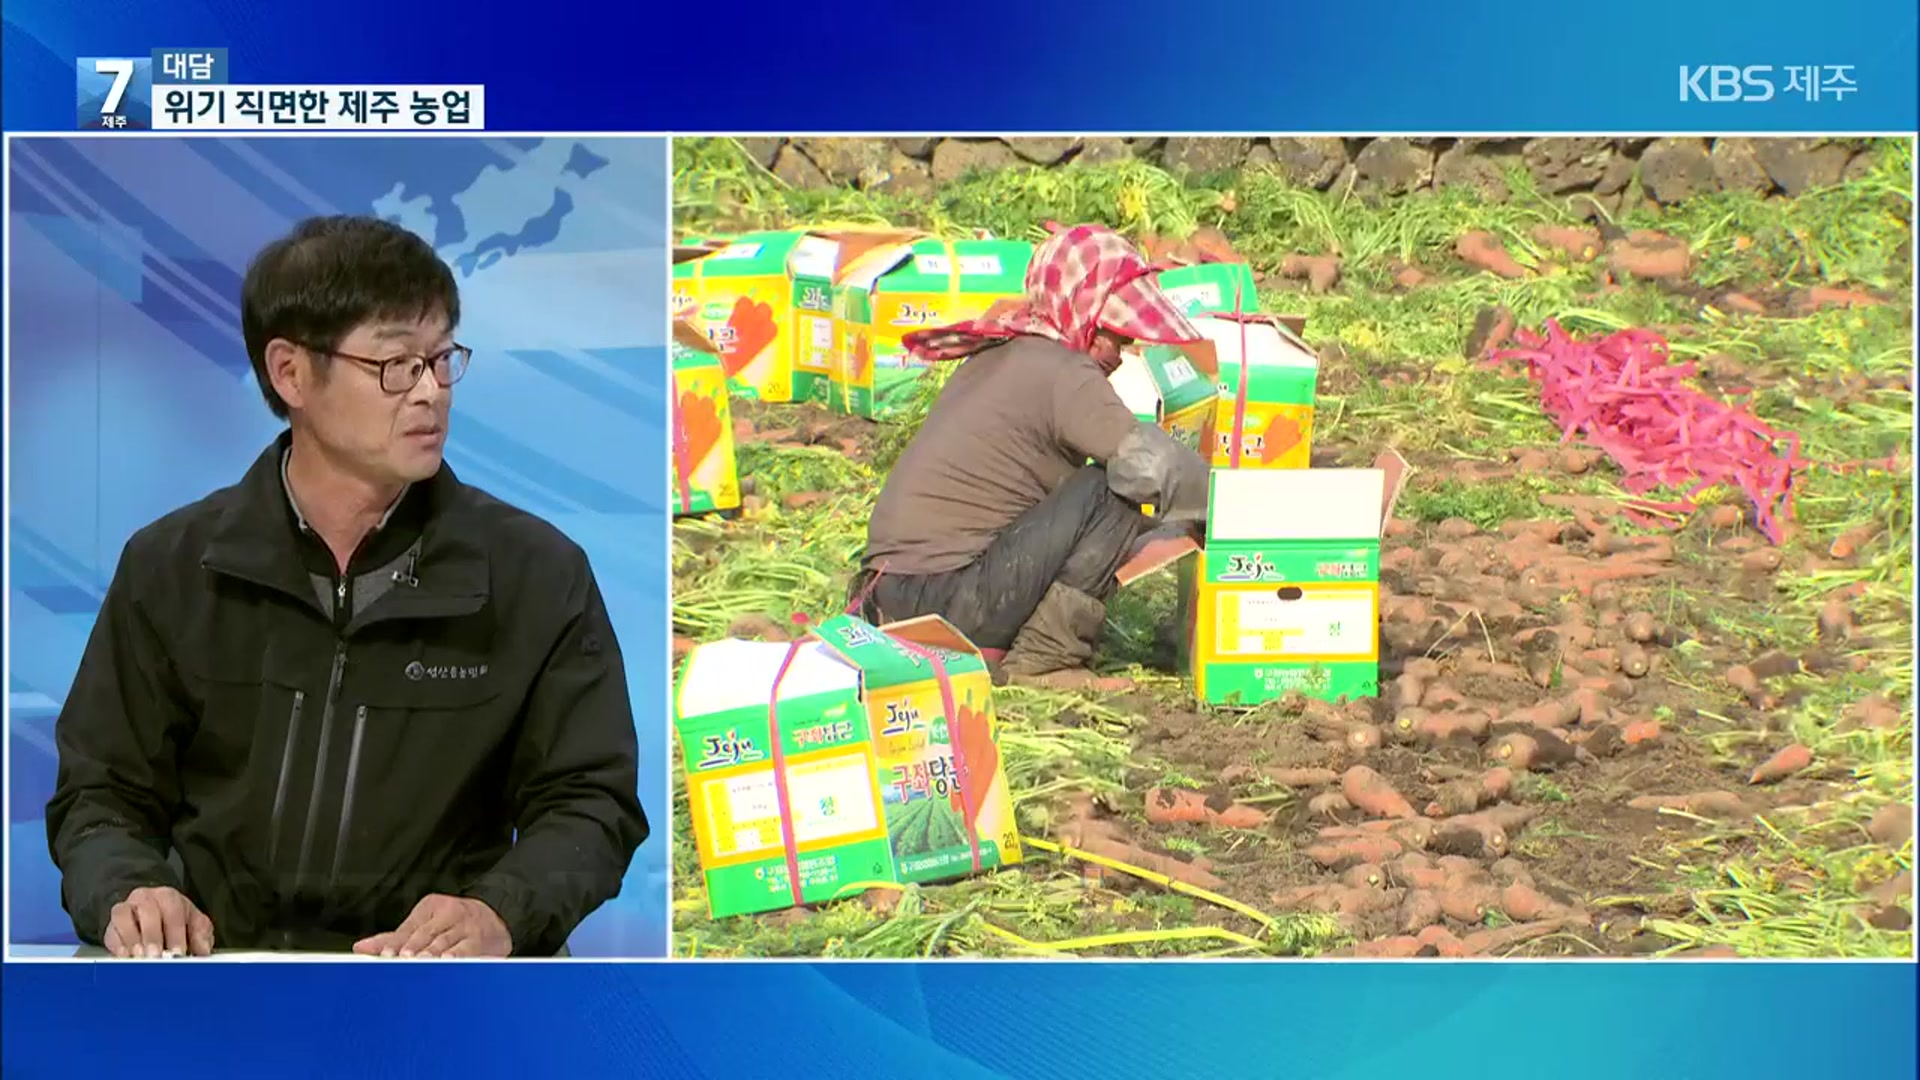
302,518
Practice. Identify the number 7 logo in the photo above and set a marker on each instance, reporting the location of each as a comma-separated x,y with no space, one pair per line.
122,72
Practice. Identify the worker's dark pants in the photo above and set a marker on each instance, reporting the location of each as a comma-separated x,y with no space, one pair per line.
1077,537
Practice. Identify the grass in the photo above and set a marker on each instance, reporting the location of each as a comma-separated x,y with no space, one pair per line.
1789,882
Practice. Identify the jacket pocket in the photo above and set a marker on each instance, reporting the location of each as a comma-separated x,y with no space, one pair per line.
425,767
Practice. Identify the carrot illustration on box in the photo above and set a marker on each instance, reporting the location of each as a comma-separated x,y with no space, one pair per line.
704,475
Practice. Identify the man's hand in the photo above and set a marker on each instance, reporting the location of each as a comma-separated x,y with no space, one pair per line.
158,920
443,926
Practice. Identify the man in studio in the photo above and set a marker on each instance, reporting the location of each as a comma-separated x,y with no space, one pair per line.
350,702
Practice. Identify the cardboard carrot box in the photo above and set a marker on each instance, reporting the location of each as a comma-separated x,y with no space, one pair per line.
1267,380
705,476
1170,386
889,292
1278,599
877,761
767,300
1210,288
1282,599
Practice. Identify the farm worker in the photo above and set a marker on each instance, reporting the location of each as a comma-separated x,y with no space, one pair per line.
993,518
350,702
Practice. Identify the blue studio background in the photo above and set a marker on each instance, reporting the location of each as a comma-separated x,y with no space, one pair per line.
131,393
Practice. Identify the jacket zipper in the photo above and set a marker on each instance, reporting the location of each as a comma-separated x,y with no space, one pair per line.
346,795
320,763
286,768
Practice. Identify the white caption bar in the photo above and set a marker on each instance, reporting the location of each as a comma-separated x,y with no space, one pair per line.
225,107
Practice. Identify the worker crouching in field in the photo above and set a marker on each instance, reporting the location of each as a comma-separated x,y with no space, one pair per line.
993,518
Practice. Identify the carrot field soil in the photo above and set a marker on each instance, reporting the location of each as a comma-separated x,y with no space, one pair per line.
1600,734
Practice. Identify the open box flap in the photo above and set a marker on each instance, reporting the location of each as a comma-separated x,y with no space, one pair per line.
1397,471
855,241
1388,478
1331,505
879,655
874,262
687,332
721,676
931,632
1136,386
1158,550
687,252
1269,341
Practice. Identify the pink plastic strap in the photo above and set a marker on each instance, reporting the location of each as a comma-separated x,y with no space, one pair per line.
781,795
682,468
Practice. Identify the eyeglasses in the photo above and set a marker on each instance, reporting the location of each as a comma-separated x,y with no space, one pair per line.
400,374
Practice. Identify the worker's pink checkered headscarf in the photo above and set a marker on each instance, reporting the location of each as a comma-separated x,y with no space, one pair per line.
1083,279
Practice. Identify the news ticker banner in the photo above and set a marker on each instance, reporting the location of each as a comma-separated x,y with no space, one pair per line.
1633,1020
1713,67
189,90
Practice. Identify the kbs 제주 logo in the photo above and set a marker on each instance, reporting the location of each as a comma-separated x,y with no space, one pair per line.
1754,83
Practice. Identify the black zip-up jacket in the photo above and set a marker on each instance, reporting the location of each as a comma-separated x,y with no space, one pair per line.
319,751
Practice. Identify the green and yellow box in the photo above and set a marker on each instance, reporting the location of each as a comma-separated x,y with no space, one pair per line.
767,300
705,476
1169,385
866,763
889,292
1285,594
1281,373
1210,288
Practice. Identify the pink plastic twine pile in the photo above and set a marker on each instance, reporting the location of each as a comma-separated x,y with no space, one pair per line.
1622,395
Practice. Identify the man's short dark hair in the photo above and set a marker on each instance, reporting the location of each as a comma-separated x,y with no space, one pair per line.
332,274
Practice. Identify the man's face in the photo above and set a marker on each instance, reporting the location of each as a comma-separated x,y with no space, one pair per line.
385,435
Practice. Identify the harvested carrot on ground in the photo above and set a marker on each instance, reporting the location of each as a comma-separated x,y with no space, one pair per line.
1418,909
1523,903
1493,836
1849,543
1457,866
1454,724
1443,942
1509,817
1891,825
1392,948
1365,875
1635,662
1781,765
1463,841
1467,903
1639,732
1293,778
1500,939
1166,806
1372,795
1509,870
1640,627
1539,751
1329,804
1707,804
1340,854
1836,619
1550,715
1458,797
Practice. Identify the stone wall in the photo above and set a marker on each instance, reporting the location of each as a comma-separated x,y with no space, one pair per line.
1669,169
